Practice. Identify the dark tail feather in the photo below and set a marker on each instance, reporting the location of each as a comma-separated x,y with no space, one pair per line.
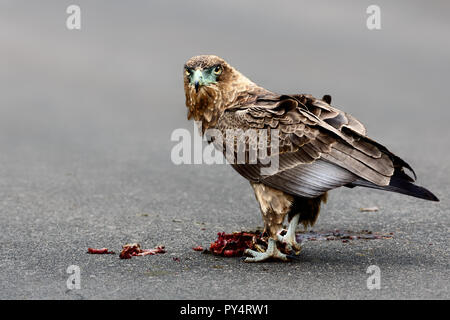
399,184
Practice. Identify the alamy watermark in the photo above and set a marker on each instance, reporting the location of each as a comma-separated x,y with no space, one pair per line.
233,146
73,21
374,280
373,21
74,280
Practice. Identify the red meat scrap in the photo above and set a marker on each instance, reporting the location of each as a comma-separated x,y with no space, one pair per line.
100,251
234,244
134,249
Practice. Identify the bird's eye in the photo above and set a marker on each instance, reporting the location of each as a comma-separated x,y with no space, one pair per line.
218,70
187,72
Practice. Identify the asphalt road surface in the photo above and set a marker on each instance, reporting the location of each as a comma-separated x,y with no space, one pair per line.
86,118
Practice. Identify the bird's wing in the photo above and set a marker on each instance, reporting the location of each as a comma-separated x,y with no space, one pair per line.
320,147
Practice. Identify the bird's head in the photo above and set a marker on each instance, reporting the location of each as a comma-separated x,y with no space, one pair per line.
211,85
204,71
208,71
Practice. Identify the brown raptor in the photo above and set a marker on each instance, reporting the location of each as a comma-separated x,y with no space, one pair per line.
319,148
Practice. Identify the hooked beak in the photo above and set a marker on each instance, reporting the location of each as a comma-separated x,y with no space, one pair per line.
197,79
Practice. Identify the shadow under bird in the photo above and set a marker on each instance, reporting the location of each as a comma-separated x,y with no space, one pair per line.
319,148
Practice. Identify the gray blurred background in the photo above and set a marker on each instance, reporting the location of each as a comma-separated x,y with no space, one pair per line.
85,124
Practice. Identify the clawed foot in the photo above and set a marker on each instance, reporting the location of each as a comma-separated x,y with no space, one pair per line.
291,243
272,252
288,239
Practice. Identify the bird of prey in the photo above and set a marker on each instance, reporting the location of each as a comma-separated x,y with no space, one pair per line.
320,148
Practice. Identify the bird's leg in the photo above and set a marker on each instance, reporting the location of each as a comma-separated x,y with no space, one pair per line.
289,237
271,252
274,205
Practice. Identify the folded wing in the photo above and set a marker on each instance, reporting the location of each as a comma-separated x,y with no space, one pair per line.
320,148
